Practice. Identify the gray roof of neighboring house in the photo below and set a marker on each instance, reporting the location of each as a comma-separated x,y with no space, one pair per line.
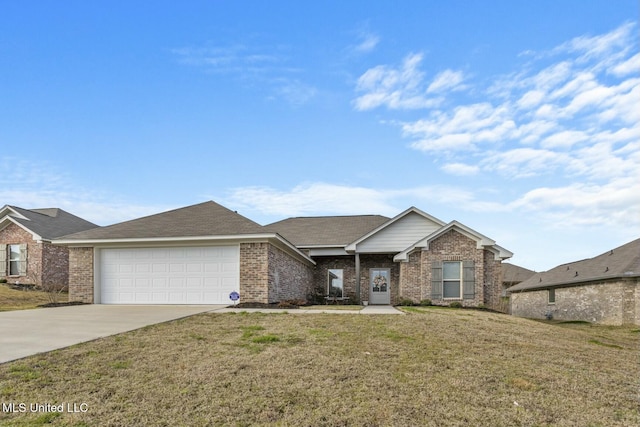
204,219
623,261
326,230
51,223
512,273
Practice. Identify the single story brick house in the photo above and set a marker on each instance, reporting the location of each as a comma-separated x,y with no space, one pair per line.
604,289
27,255
201,253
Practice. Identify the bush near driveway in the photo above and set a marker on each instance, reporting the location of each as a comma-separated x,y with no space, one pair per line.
432,367
13,299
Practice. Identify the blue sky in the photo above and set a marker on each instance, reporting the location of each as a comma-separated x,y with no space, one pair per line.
519,119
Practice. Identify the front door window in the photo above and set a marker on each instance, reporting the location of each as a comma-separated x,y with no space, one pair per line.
379,287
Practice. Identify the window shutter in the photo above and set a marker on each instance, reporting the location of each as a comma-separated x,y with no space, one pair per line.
468,280
22,265
436,280
3,260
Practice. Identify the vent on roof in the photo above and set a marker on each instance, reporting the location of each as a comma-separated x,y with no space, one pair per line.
576,274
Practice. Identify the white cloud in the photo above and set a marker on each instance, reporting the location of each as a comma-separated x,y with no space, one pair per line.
461,129
311,199
368,42
630,66
447,80
616,203
523,162
569,116
394,88
461,169
295,92
564,139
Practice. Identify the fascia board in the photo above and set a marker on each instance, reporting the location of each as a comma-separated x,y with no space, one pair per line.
482,241
351,247
243,238
15,213
98,242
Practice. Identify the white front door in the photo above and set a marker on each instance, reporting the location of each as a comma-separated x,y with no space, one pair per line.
380,286
176,275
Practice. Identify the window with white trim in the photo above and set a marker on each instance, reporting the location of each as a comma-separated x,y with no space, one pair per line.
14,260
552,296
452,280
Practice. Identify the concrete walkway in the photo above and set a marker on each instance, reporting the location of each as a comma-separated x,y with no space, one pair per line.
27,332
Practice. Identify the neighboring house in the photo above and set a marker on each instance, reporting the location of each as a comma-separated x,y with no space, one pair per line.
604,289
511,275
200,254
26,253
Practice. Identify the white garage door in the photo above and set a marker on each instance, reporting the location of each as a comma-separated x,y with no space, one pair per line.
181,275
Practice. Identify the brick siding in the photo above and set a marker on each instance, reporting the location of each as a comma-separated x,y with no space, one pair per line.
81,274
614,302
47,265
289,278
415,274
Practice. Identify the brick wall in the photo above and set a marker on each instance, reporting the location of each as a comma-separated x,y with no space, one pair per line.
289,278
254,272
411,277
493,283
345,263
415,273
81,274
609,303
55,266
455,246
15,235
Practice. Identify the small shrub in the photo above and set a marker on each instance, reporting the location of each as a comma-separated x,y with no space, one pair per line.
426,303
455,304
406,302
3,280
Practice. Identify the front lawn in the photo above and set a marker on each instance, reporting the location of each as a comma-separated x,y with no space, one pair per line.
432,367
13,299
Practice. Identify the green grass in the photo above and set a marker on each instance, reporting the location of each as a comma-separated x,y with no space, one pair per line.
432,367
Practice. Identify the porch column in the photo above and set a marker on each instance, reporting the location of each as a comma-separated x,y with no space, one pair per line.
357,278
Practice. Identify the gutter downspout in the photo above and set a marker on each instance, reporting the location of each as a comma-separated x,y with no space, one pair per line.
357,278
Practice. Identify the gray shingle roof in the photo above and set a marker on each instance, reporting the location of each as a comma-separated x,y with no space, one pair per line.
623,261
51,223
326,230
512,273
204,219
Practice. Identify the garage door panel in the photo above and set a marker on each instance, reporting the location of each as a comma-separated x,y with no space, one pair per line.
181,275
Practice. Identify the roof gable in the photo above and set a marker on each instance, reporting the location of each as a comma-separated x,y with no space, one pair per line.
620,262
482,241
44,224
398,232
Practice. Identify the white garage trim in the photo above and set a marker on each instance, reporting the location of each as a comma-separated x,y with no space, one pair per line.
166,275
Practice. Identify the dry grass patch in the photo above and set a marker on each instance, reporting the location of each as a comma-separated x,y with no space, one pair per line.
13,299
433,367
334,307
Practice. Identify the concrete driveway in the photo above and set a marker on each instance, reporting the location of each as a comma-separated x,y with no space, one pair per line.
27,332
